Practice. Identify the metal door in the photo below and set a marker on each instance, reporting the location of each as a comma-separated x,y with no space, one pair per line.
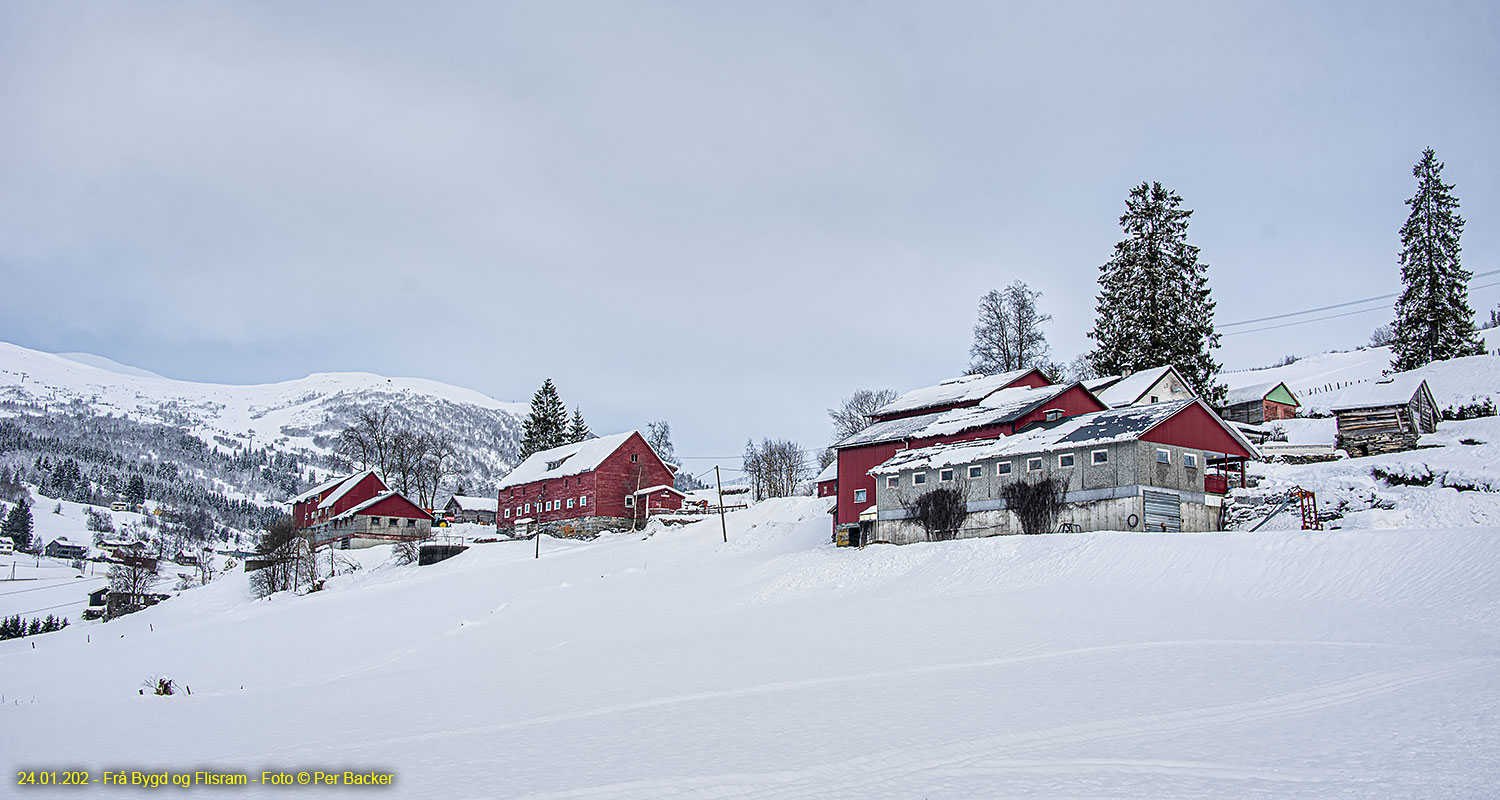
1163,511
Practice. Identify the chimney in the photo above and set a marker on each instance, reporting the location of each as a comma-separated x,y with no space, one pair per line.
1126,369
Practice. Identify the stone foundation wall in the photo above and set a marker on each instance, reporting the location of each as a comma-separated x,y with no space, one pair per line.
576,528
1374,444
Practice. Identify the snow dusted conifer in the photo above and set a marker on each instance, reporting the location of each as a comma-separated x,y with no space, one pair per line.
18,525
578,430
1154,303
546,426
1433,318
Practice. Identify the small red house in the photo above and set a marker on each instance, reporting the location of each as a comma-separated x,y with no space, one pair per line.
582,489
358,510
828,480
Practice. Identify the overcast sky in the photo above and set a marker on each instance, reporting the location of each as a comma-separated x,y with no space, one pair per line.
727,215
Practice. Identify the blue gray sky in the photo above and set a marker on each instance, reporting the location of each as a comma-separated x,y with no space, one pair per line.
727,215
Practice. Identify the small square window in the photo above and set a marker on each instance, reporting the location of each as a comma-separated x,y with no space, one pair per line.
411,523
918,478
945,475
892,481
1065,460
1033,465
1003,468
1190,460
1163,456
629,501
976,471
374,522
1100,457
859,495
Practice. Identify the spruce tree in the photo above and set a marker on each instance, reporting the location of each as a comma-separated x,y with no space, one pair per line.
135,490
1433,318
1154,303
17,525
578,430
546,426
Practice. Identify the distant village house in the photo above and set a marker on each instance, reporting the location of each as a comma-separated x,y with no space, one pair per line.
471,509
1260,403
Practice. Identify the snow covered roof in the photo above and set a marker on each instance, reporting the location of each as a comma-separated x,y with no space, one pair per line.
319,489
1396,390
344,488
1004,405
1084,430
386,495
569,459
1119,391
829,473
966,388
662,487
1251,393
466,503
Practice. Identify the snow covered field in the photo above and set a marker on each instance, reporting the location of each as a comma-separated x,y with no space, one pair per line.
1334,664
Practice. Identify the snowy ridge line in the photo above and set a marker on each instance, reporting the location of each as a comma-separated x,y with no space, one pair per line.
965,757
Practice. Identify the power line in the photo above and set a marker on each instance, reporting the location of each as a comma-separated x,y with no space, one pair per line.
1336,316
1342,305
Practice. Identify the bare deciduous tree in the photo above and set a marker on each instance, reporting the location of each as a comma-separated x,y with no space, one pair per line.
367,443
776,468
1036,503
289,561
1008,335
853,413
941,512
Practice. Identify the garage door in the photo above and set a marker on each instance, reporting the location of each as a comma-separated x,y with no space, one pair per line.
1163,511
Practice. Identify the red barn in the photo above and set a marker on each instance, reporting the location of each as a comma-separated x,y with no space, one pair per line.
358,511
579,490
961,409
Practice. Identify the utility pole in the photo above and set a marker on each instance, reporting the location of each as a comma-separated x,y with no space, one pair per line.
723,526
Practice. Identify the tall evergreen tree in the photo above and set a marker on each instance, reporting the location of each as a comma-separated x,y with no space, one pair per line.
546,426
578,430
17,525
1154,303
135,490
1433,318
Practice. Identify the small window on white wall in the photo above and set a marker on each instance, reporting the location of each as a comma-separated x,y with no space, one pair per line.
1100,457
1163,456
976,471
1003,468
859,495
945,475
892,481
1190,460
1033,465
1065,460
918,478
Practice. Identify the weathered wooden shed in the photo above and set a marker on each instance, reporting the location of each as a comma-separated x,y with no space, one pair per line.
1385,416
1259,403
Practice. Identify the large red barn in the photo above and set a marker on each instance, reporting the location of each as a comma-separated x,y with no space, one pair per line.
581,489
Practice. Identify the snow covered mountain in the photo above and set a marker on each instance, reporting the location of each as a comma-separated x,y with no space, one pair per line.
295,420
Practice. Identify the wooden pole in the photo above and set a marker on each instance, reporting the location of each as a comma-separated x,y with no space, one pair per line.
722,525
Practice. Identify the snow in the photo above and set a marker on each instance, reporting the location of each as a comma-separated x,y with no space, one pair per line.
1004,405
1118,392
1345,663
345,486
966,388
466,503
1397,390
576,459
829,473
1251,393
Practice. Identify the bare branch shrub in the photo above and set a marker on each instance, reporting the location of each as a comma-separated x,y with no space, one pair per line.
941,512
1037,503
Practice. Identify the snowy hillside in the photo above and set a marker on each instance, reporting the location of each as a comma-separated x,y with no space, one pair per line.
1317,379
296,418
1106,664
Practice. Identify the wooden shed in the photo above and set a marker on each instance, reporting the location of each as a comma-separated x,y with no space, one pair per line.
1259,403
1385,416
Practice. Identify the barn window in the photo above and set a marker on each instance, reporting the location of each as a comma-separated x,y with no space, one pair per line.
1190,460
1003,468
893,481
976,471
570,502
945,475
918,478
629,501
507,513
374,522
528,508
1100,457
411,523
1065,460
583,500
1033,465
1163,456
634,458
859,495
